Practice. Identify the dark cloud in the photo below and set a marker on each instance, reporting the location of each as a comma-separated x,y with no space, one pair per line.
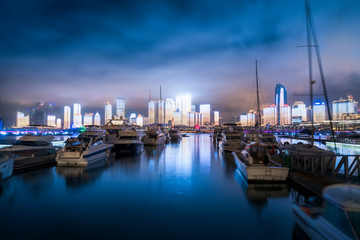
91,51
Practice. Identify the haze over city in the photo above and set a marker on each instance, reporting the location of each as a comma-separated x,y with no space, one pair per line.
89,52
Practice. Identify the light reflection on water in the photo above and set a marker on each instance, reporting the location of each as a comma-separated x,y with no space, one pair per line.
182,190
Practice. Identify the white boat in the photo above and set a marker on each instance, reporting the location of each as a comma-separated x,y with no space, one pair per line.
337,218
154,137
128,140
270,141
6,165
232,141
87,149
175,134
255,164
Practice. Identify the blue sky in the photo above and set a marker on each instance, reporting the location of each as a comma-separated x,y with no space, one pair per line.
92,51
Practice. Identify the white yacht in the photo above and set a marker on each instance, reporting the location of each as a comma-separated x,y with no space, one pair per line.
175,134
88,148
6,165
255,164
154,137
337,218
128,140
232,141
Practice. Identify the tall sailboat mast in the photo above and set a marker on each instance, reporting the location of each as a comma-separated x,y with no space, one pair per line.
311,35
257,98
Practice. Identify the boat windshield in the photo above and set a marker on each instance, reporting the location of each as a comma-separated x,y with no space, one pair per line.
128,137
31,143
354,218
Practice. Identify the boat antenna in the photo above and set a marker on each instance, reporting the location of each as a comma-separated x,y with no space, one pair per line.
258,99
311,31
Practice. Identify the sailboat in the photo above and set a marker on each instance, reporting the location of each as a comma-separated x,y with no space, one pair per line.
310,149
254,162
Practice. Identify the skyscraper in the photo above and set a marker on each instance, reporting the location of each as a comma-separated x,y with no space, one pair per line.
161,111
280,99
170,107
67,114
97,120
108,112
319,111
298,112
205,110
77,117
140,120
51,120
216,118
58,123
344,106
38,114
152,112
270,115
120,107
88,119
22,120
285,114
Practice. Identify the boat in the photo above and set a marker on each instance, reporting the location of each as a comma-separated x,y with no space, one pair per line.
154,137
128,140
232,141
175,134
270,141
337,218
86,149
32,151
254,162
6,165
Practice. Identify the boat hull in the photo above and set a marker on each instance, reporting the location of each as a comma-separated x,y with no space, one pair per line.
130,147
154,141
6,168
260,172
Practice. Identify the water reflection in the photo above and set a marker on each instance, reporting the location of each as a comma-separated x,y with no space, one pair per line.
79,176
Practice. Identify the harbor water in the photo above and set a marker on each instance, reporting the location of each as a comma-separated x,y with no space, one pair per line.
182,190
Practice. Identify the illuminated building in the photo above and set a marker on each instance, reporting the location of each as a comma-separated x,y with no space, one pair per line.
51,120
97,119
270,115
169,109
319,112
132,118
285,114
183,105
243,119
161,111
298,112
88,119
205,110
140,120
177,118
58,123
120,107
67,117
108,112
344,106
152,112
280,99
22,120
193,108
77,117
251,116
216,118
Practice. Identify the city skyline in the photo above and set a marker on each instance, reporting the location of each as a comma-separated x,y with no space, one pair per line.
67,53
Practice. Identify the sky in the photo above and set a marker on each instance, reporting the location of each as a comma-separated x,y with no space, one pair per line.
88,52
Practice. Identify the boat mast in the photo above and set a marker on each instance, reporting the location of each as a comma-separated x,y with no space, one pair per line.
311,32
257,98
309,46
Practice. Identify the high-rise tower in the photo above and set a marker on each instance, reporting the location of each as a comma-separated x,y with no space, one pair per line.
120,107
108,112
67,116
280,99
77,117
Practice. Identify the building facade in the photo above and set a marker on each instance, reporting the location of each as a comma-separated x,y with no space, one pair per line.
280,99
108,112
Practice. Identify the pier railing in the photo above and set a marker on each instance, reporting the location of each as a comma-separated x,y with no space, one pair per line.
342,165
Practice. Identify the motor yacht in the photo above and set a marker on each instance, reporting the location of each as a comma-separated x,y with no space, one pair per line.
175,134
255,164
128,140
232,141
6,165
32,151
337,218
270,141
86,149
154,137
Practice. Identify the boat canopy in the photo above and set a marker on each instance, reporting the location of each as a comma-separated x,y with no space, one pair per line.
346,196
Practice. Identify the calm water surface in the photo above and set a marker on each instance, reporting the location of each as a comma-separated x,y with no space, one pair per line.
184,190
